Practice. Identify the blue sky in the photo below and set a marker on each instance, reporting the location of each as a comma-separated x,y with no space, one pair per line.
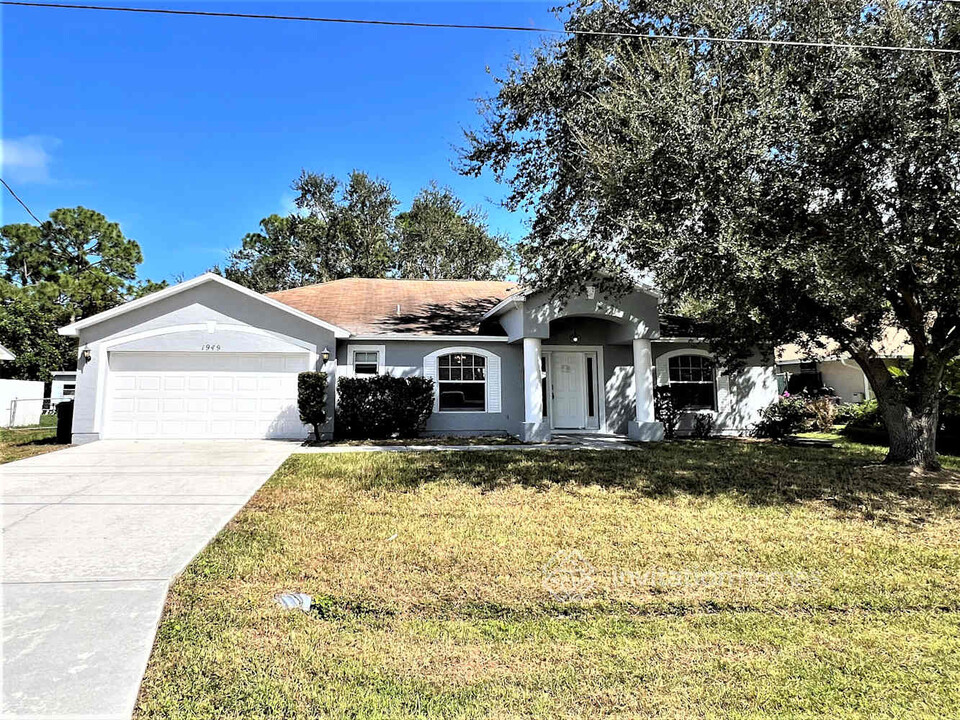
187,131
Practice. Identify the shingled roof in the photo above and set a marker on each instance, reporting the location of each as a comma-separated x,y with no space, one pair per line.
424,307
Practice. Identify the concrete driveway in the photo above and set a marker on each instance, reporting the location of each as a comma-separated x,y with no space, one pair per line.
92,537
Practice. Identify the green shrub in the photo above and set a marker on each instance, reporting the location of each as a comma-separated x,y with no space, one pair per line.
787,415
665,411
383,406
864,415
312,399
703,425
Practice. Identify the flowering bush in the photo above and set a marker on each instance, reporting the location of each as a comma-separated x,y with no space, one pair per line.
787,415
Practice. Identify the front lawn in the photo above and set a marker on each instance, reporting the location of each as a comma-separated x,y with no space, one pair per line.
17,444
709,579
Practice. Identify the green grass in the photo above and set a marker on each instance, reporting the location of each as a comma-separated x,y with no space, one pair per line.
729,579
441,440
17,443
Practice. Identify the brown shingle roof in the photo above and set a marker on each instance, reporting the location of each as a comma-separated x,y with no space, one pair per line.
426,307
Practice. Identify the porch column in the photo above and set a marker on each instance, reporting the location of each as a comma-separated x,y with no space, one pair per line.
535,425
645,427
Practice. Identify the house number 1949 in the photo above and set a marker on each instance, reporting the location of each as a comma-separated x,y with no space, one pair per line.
208,346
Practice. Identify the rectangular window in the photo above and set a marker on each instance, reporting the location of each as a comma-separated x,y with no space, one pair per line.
366,362
462,382
69,390
692,382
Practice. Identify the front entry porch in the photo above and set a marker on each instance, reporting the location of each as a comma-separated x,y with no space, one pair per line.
589,389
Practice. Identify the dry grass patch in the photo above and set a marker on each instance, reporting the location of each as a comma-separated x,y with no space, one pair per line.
726,579
17,444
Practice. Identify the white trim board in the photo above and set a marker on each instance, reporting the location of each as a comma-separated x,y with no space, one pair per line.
352,350
434,338
74,328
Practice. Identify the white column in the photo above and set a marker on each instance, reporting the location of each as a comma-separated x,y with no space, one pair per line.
532,392
643,379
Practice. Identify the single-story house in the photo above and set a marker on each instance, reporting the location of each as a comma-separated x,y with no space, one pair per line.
832,368
209,358
63,385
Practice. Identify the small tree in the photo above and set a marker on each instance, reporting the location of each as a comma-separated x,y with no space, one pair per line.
312,399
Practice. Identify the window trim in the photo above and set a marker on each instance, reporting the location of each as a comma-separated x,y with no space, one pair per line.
492,383
483,382
352,350
667,357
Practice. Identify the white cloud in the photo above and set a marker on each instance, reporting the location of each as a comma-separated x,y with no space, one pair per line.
27,159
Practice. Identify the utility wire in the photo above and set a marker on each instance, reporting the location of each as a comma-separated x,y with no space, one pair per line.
17,198
508,28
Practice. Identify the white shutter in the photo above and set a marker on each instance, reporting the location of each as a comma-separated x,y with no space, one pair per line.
663,370
724,396
430,372
493,383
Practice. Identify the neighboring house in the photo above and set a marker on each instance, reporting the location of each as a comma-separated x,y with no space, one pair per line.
63,386
209,358
6,354
834,369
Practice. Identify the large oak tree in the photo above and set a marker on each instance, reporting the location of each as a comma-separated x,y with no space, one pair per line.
789,192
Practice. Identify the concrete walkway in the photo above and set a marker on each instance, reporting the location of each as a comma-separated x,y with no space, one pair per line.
92,537
584,441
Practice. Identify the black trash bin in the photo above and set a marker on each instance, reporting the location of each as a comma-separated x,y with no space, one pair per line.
65,422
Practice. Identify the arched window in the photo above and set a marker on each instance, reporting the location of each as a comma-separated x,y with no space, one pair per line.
462,382
692,385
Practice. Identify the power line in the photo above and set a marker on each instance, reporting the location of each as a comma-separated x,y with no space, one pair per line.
506,28
17,198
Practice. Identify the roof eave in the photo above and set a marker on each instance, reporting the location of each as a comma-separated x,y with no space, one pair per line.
73,329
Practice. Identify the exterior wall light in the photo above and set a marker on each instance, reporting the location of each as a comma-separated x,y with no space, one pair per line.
574,337
86,355
325,354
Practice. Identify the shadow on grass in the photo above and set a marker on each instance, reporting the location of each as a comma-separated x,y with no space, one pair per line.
850,480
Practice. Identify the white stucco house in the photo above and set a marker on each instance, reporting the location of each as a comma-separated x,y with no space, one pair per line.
832,368
210,359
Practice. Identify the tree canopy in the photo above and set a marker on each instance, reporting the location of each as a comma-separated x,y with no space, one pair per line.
71,266
351,229
788,192
439,238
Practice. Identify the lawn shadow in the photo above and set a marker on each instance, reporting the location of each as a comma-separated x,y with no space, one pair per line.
853,482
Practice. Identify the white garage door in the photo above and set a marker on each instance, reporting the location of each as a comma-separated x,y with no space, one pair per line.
203,395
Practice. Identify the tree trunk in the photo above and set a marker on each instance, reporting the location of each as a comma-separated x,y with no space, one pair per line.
910,407
913,434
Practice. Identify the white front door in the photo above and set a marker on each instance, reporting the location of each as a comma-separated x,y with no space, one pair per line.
567,376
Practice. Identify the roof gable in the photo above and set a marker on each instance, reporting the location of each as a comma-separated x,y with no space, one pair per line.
74,328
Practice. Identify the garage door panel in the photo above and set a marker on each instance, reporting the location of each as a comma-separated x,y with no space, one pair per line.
216,395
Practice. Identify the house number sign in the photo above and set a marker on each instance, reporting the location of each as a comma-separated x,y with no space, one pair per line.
210,347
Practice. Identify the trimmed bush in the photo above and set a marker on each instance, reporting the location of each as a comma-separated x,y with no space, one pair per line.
383,407
312,399
785,416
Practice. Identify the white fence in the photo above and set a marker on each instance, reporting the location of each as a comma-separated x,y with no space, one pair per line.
19,404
